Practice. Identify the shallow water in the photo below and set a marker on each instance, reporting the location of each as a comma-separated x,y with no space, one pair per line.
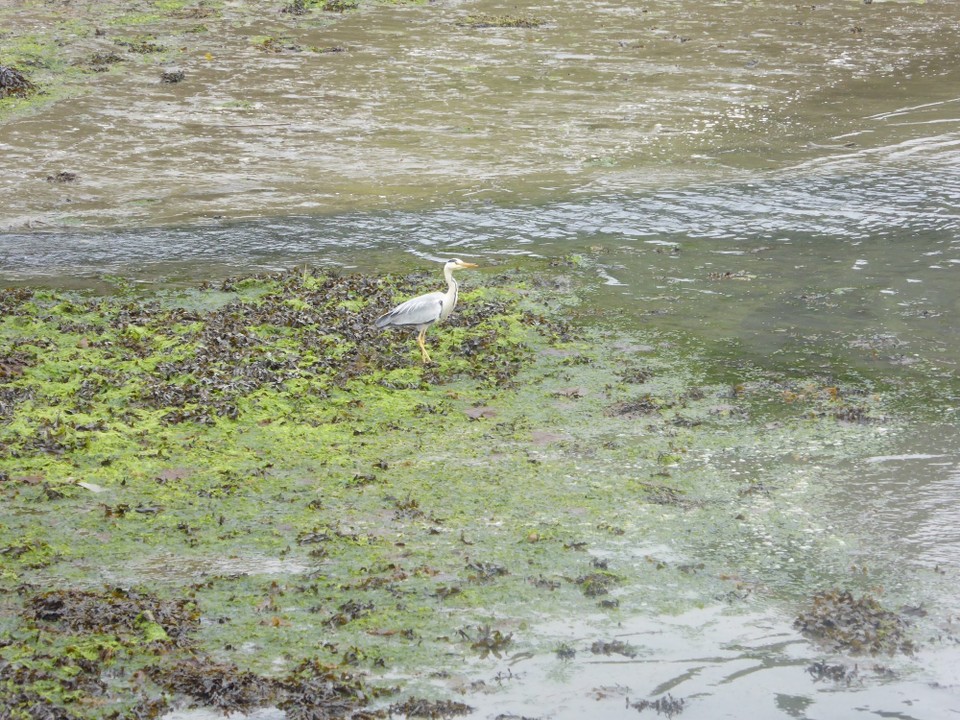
719,664
422,108
768,178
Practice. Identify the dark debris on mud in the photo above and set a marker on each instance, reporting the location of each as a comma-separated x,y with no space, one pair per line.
638,407
420,708
613,647
659,494
100,62
14,83
63,177
115,611
219,685
487,641
310,691
666,705
141,45
856,625
20,696
171,77
838,673
313,691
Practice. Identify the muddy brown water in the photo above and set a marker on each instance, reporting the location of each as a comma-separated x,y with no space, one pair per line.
425,107
780,178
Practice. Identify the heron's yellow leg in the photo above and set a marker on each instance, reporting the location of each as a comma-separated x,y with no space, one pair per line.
421,340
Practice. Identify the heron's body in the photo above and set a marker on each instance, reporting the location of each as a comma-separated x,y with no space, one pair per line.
424,310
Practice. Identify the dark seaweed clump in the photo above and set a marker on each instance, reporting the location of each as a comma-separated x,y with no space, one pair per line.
84,633
21,685
488,641
172,76
597,583
96,631
837,673
13,83
613,647
62,177
310,691
222,686
420,708
338,6
666,705
100,61
856,625
313,691
297,7
115,611
141,45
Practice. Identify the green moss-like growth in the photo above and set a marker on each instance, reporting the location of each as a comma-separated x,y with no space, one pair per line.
501,21
285,477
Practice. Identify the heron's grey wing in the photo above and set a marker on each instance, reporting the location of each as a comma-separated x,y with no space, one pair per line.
422,310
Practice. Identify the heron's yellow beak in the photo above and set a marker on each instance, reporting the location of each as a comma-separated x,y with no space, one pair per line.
467,265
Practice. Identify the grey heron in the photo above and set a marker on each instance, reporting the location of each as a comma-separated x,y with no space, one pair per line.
424,310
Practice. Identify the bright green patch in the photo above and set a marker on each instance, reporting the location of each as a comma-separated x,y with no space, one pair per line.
169,5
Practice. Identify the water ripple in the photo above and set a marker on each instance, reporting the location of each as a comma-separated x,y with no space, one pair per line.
847,198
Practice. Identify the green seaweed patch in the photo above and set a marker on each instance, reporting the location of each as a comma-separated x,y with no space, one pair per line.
336,6
501,21
174,6
37,684
28,553
256,448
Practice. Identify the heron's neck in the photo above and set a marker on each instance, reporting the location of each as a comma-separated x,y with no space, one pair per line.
451,283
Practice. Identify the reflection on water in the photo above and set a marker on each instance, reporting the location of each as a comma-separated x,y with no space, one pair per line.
720,666
911,501
724,666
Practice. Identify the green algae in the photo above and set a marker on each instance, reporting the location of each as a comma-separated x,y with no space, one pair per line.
256,450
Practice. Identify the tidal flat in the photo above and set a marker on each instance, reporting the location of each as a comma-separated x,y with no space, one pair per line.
240,496
690,445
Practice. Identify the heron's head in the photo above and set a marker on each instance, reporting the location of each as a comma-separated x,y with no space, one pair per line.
458,264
